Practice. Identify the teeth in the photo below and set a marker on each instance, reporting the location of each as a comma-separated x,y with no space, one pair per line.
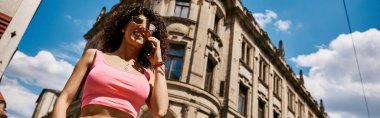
137,34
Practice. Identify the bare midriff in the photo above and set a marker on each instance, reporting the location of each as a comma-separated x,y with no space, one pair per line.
100,111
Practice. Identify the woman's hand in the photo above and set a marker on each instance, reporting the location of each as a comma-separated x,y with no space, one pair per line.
156,57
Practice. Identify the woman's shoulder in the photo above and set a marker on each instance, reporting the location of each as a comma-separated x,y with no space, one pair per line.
89,55
90,52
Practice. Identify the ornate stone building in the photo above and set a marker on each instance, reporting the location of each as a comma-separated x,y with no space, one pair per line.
221,64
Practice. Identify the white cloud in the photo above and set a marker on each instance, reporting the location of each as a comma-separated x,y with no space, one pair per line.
265,18
42,70
282,25
19,99
70,51
77,47
333,74
74,20
341,115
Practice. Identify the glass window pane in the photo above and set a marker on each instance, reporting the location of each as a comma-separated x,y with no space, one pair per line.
185,12
239,104
167,67
176,69
242,100
177,11
177,50
174,61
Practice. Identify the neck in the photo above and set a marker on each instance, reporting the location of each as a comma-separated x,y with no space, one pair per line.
127,52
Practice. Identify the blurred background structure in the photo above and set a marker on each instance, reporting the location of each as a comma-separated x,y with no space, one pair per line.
221,64
46,102
15,16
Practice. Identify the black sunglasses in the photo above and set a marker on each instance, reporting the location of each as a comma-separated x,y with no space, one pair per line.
137,20
140,21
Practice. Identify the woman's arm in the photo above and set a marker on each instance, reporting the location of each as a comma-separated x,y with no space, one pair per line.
159,100
72,85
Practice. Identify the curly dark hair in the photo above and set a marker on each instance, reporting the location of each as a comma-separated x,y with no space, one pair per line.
121,16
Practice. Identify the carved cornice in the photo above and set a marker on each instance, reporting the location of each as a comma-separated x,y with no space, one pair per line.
216,36
175,19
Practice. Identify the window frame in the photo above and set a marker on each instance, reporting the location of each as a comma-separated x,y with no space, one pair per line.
170,58
301,109
263,72
243,95
277,86
181,8
260,104
247,52
208,84
217,20
291,101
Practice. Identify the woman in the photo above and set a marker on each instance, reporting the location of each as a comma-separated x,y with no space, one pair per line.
126,75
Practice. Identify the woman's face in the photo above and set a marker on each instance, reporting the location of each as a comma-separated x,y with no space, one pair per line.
135,30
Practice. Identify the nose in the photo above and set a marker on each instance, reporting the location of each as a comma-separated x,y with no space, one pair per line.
141,27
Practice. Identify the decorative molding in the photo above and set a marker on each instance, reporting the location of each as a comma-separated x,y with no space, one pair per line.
175,19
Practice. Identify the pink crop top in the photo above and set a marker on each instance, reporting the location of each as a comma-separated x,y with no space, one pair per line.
116,88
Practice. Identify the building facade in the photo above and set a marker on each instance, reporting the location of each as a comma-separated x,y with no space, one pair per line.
45,103
15,16
221,64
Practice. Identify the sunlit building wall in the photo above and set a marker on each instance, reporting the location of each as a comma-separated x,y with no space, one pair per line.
15,16
45,103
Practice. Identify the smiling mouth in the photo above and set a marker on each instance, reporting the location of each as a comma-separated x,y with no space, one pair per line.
138,34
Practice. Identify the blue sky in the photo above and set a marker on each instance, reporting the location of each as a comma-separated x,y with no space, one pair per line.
315,35
58,22
316,22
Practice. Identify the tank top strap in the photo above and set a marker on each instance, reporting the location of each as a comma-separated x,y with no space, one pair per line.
146,73
98,58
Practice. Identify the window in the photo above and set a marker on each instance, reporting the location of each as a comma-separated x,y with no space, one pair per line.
291,101
263,71
174,62
243,50
221,88
300,109
261,110
182,8
216,24
246,50
209,75
275,114
242,100
277,86
4,22
248,57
